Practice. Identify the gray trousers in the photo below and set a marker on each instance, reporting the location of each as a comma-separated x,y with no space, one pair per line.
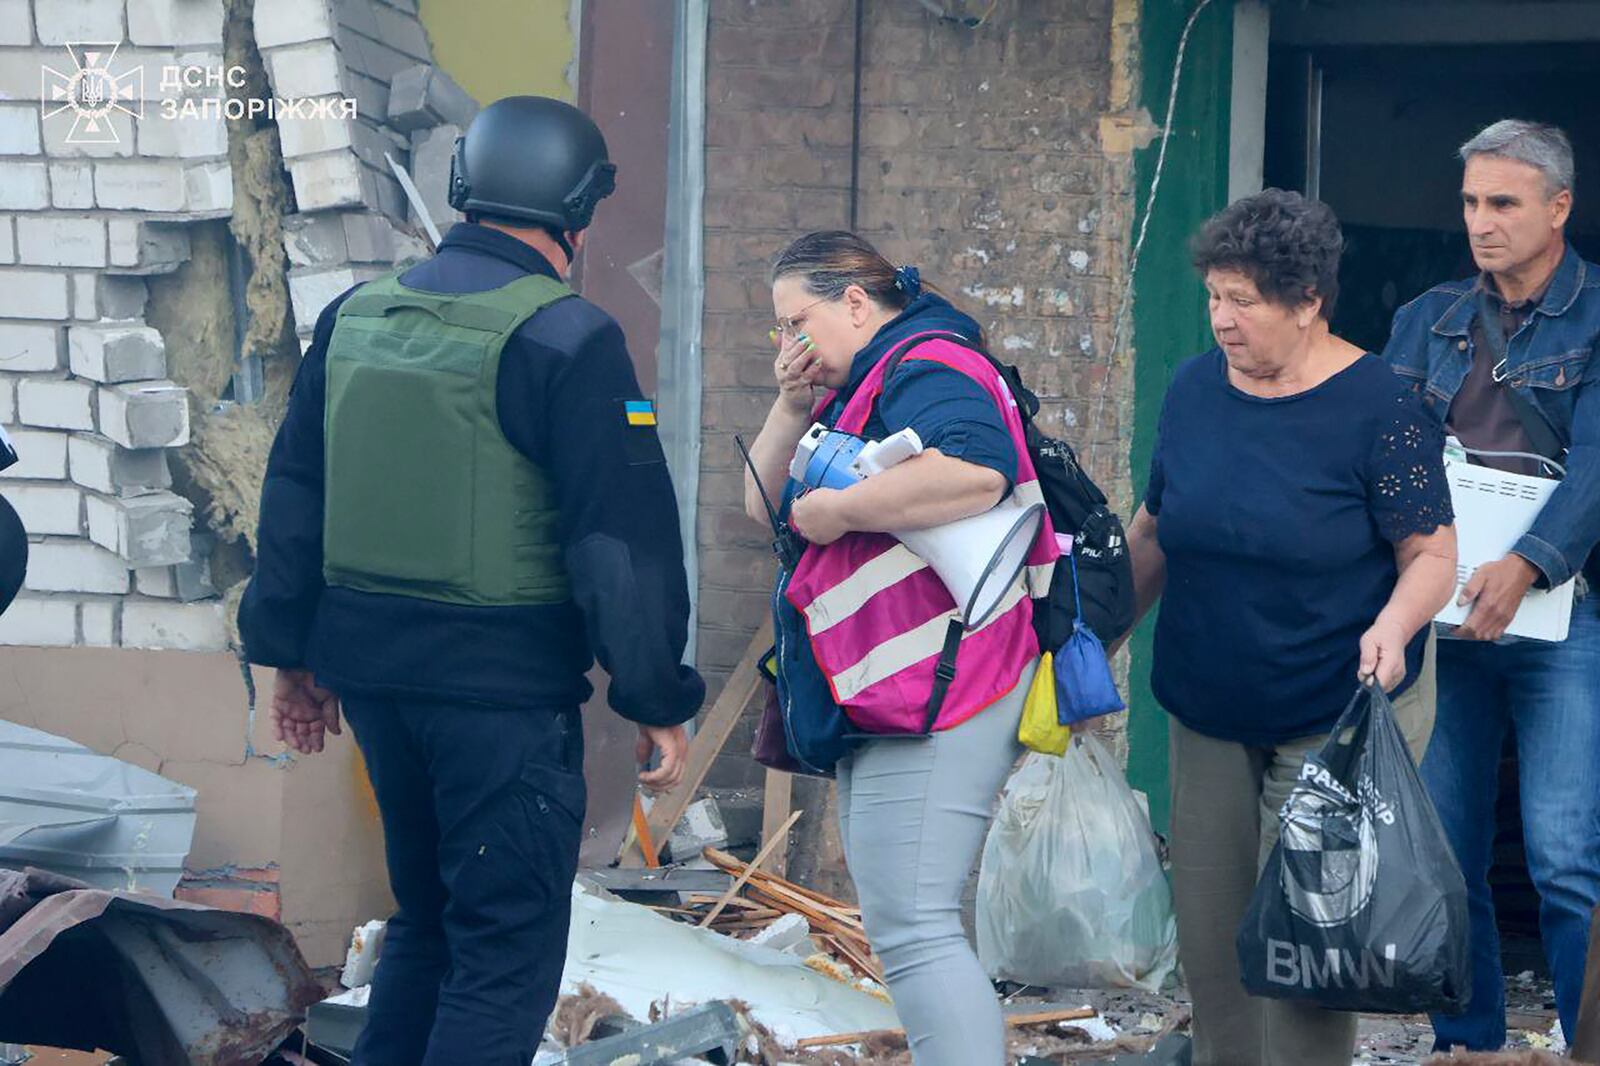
1225,802
913,815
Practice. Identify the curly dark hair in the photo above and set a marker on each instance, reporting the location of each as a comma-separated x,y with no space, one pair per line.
1288,245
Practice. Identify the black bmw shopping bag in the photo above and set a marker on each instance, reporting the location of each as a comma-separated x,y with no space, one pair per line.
1361,906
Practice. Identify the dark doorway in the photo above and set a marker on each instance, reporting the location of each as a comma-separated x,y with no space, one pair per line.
1373,131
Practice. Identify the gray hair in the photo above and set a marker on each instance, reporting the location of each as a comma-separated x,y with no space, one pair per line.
1545,148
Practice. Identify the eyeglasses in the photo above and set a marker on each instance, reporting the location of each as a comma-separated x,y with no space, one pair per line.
788,327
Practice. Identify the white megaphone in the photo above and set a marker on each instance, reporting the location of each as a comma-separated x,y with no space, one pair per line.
977,558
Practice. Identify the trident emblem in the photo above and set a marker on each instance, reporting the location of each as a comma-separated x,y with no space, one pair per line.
92,92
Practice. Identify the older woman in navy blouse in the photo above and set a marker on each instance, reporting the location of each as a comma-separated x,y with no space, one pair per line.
1298,529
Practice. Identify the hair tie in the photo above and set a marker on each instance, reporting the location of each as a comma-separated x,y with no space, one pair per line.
908,279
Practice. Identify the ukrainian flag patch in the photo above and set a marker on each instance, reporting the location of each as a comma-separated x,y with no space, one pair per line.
639,412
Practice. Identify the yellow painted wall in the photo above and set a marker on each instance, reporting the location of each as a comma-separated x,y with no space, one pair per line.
496,48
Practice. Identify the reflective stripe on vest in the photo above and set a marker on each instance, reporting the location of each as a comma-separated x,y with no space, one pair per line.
877,614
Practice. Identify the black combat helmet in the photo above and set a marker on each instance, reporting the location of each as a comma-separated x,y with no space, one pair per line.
532,159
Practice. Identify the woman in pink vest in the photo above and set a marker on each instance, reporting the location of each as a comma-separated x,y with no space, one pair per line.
873,618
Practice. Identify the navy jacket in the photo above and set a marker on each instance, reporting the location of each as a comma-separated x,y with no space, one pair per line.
565,376
1550,363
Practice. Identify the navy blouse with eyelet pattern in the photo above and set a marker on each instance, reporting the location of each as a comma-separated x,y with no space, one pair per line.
1279,518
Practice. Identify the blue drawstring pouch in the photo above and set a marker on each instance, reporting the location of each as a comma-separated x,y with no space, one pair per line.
1084,685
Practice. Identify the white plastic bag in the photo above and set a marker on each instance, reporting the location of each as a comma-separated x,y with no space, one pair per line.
1071,893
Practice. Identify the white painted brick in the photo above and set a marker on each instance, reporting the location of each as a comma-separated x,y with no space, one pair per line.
96,463
24,186
97,621
40,621
41,454
209,187
47,510
181,626
279,22
147,247
85,304
309,293
8,402
120,297
32,294
150,530
19,130
175,22
157,581
113,354
146,185
53,404
72,184
431,151
183,136
46,241
123,236
114,137
71,21
28,347
150,414
74,566
308,136
8,241
304,70
16,22
317,240
22,70
324,181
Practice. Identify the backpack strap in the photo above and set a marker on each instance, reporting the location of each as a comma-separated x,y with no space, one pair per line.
1027,402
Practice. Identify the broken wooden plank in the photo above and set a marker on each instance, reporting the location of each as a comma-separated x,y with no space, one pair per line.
776,803
750,871
1014,1021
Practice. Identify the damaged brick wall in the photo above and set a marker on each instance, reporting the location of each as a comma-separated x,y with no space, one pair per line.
996,158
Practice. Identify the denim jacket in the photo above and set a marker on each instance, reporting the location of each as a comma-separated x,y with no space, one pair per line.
1548,363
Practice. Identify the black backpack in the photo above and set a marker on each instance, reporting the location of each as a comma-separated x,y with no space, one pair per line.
1076,506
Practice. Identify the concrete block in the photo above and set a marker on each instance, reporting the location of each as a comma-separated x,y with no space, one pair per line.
21,71
397,30
47,510
97,622
183,136
16,22
24,186
19,130
8,240
116,139
157,581
372,238
57,241
114,354
41,455
85,298
309,293
96,463
151,414
280,22
32,294
424,96
150,530
366,943
324,181
209,188
147,247
40,621
302,136
316,240
72,185
55,404
74,566
180,626
146,185
431,150
174,22
700,828
121,297
28,347
72,21
306,70
192,577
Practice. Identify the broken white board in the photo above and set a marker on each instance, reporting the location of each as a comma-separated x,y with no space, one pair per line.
70,810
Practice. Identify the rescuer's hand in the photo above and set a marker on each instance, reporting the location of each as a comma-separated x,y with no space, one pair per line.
303,712
673,744
1495,591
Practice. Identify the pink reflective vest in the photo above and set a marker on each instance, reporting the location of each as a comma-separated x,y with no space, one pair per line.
877,614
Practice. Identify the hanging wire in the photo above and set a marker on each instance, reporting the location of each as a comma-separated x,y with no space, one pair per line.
1144,229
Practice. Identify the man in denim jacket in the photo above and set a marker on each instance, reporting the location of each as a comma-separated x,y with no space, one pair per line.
1504,360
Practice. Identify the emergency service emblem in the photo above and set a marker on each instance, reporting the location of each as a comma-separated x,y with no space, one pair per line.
91,91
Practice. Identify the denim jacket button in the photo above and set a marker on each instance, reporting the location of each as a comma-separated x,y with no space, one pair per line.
1461,345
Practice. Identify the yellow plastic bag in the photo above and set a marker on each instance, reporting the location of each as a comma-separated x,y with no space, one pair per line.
1041,730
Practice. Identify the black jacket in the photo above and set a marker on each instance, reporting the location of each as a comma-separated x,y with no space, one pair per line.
564,378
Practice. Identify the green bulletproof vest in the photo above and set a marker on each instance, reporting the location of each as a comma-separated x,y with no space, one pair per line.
424,495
